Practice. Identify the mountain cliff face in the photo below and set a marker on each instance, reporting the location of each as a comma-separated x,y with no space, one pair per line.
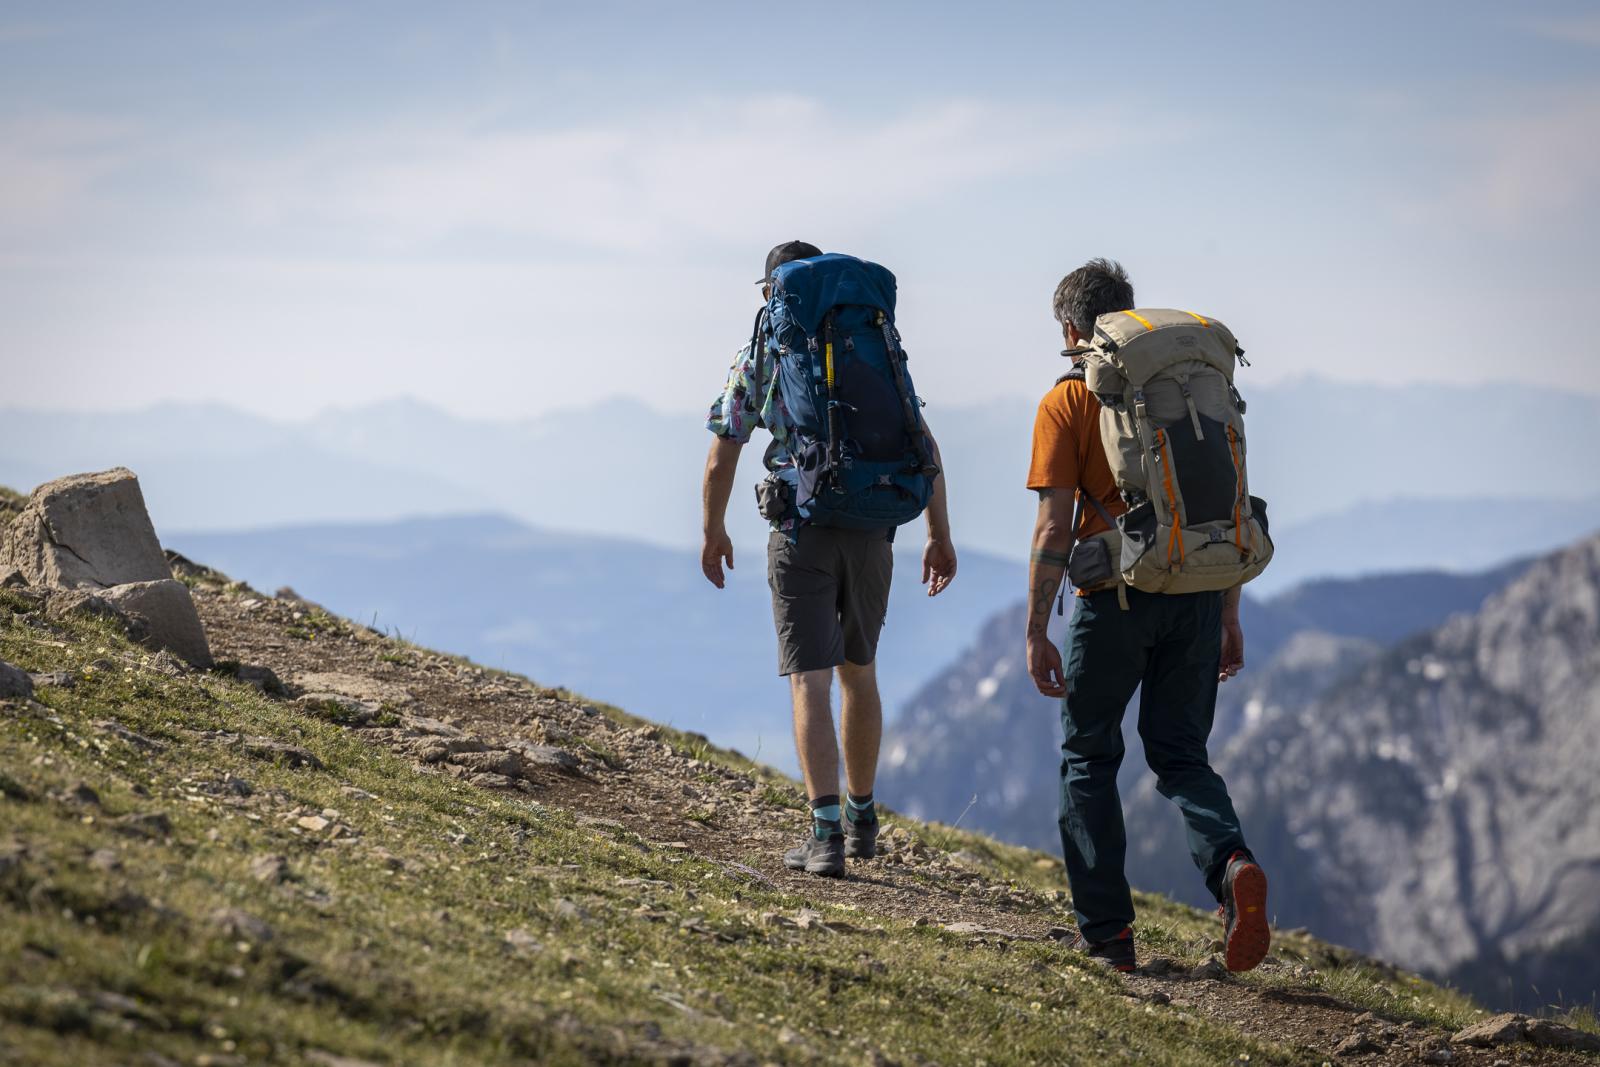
1430,799
1438,805
980,729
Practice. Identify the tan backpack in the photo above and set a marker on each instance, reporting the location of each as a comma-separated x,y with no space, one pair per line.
1173,428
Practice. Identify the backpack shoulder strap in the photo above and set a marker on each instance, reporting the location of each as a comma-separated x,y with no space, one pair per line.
1077,373
758,347
1099,507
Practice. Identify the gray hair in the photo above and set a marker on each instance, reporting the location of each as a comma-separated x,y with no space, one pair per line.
1097,288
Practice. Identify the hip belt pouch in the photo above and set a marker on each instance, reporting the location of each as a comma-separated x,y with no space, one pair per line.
775,497
1090,563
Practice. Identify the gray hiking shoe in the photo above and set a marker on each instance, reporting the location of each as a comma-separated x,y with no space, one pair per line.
860,838
818,855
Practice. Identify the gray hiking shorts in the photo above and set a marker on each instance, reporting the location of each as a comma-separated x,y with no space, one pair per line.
830,593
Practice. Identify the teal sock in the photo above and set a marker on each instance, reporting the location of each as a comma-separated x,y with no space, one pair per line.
861,809
825,816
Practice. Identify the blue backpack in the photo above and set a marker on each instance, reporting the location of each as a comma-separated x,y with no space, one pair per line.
861,457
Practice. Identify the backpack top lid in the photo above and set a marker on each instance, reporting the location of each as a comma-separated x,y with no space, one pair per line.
1148,341
807,288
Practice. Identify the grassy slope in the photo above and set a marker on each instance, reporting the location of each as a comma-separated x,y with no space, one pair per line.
389,944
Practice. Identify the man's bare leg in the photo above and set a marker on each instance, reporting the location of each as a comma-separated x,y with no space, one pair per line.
813,732
823,850
861,722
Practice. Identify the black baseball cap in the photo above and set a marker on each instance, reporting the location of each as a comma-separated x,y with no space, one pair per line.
781,254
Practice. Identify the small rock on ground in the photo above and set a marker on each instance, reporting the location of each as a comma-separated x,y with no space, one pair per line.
144,824
241,924
292,756
522,941
1356,1045
269,868
14,682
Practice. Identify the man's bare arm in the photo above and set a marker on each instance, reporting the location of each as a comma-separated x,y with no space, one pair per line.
1047,566
938,514
722,463
1232,661
939,556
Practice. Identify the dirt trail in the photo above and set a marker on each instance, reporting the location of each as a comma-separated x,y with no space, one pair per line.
604,771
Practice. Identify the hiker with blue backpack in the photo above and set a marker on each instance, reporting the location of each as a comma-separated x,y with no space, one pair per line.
850,461
1144,507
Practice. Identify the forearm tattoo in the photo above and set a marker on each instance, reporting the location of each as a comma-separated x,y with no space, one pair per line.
1044,591
1049,558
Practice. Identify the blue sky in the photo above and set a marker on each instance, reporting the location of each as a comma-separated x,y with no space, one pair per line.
510,209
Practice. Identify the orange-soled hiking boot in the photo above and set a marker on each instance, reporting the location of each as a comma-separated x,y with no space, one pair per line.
1116,952
1245,935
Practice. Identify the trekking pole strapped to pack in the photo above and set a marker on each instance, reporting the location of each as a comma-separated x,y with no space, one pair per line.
834,432
859,450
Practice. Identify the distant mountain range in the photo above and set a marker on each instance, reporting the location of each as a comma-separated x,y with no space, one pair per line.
1359,479
637,625
622,621
1462,536
1413,755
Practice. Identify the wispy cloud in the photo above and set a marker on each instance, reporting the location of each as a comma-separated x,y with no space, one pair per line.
1539,164
50,164
714,171
708,170
1527,164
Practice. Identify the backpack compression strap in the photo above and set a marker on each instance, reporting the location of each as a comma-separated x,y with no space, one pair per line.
897,355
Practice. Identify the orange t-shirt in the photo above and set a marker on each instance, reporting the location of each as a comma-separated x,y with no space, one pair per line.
1067,452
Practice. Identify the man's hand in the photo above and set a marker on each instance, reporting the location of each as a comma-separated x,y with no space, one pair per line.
1044,666
721,462
1232,649
938,565
717,548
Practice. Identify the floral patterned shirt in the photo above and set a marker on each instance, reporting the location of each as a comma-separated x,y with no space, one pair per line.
746,405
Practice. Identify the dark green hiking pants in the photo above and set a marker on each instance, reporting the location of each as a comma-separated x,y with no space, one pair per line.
1171,647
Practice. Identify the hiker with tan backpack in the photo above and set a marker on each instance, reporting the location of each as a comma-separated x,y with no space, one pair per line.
1144,507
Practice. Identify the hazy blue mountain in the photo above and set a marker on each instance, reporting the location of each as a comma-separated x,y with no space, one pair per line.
625,470
1455,535
1387,607
204,466
621,621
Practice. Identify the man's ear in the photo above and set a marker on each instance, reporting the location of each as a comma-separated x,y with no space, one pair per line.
1074,338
